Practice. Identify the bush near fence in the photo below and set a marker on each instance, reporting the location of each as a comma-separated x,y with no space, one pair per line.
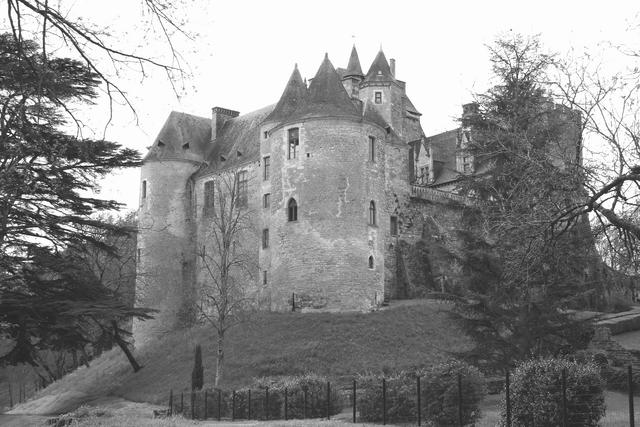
536,394
235,404
440,395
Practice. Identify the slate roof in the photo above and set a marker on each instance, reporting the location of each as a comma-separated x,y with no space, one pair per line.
326,96
293,96
238,135
354,69
180,129
380,70
443,150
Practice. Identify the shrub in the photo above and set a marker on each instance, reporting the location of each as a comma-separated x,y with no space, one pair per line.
439,404
536,393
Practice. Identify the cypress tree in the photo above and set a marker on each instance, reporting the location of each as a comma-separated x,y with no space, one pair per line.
197,375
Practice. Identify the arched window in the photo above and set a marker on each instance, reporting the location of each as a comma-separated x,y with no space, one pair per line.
372,213
292,210
371,262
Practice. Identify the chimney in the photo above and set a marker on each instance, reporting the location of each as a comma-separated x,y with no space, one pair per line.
392,64
219,116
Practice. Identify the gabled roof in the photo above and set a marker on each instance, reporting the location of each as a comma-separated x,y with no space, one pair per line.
294,94
326,96
182,136
380,70
354,69
240,135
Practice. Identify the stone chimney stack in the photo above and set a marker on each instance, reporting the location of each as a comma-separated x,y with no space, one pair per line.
219,116
392,65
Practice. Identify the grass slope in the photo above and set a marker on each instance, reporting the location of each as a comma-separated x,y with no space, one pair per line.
336,344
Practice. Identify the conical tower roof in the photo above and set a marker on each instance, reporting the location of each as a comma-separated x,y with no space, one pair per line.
293,96
354,69
380,69
326,96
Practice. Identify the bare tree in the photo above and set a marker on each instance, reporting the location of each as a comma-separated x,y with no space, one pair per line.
225,257
609,102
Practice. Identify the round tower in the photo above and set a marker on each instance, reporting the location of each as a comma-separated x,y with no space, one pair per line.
165,252
326,202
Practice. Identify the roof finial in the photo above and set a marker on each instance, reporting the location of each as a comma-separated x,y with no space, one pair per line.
295,66
380,46
326,55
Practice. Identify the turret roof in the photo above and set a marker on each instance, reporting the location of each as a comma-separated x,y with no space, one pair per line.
380,70
294,94
326,95
354,69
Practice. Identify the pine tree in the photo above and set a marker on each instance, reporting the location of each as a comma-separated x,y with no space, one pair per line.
523,270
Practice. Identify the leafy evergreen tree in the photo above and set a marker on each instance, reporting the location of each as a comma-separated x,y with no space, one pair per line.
48,296
523,269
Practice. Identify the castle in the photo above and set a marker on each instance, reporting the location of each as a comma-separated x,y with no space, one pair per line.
335,177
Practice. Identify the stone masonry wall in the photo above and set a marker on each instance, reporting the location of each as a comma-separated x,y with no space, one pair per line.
323,256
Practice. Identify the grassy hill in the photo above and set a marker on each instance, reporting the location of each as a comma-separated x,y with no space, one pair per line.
404,336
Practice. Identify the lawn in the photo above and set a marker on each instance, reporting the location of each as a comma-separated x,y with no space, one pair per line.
338,345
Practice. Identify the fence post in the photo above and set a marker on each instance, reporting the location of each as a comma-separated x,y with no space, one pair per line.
632,416
205,404
507,397
460,400
384,402
564,397
233,406
285,404
181,402
171,402
266,406
304,404
328,400
219,403
354,401
418,401
249,404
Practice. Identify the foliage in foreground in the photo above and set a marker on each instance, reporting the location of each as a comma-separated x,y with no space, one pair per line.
536,393
440,391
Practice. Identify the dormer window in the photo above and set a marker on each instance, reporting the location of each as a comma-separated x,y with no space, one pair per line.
378,97
223,159
294,141
238,154
160,144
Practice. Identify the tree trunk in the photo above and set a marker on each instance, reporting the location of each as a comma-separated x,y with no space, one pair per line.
219,359
123,346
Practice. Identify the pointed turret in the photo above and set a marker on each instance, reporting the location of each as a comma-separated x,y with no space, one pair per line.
293,96
380,69
354,69
326,95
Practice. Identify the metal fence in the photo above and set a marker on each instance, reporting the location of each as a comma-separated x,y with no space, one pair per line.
413,403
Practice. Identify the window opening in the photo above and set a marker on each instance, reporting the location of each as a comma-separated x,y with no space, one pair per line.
242,188
209,198
294,141
292,210
144,189
371,262
378,97
266,200
265,238
394,225
372,213
264,277
267,165
372,149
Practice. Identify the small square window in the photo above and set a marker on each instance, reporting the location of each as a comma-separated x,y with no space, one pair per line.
266,200
378,97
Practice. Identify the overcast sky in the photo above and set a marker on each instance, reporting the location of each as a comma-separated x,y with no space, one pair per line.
244,51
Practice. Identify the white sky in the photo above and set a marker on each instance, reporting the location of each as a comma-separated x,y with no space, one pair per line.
244,52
